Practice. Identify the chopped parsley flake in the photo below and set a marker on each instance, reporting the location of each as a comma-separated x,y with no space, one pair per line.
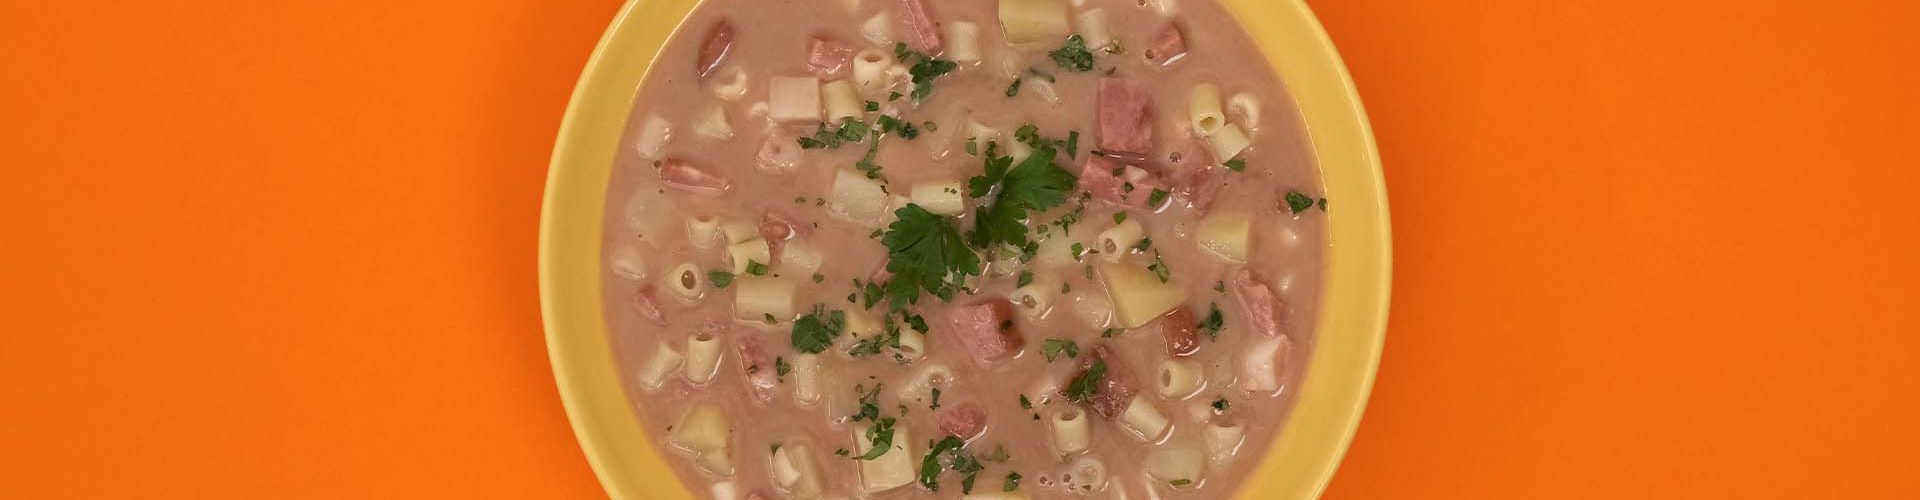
1025,404
1073,56
925,252
1213,322
1159,268
924,71
1026,278
1012,482
1083,385
720,279
755,268
1221,404
1053,348
814,332
1298,202
1236,164
1014,89
1155,198
879,439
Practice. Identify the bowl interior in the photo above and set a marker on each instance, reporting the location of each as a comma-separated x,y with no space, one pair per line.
1352,322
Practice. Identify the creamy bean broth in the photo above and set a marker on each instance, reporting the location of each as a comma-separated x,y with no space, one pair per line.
927,249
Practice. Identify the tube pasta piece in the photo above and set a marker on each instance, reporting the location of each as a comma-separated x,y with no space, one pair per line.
703,356
1085,476
924,381
793,99
712,123
1118,241
703,231
1245,109
654,134
702,428
738,231
793,470
878,29
755,298
842,101
1070,429
1226,235
1222,440
807,378
1178,378
1044,89
719,462
870,69
913,345
892,469
1035,299
1093,28
1260,369
685,282
725,490
858,200
1163,7
1144,420
860,324
665,361
940,197
962,41
1138,296
1228,142
1030,21
627,262
741,255
731,85
1204,115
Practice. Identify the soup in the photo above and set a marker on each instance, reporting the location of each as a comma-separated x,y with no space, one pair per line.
1014,249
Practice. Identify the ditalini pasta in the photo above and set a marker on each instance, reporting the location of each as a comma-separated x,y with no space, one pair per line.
996,250
703,356
660,366
1203,110
654,133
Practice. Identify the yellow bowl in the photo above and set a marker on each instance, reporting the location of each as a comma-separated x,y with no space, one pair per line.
1354,305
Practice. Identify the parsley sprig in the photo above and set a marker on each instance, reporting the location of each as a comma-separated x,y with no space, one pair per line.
1035,185
925,252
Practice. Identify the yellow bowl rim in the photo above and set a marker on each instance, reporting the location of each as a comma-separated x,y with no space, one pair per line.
1346,349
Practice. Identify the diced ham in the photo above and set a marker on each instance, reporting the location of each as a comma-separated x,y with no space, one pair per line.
1124,114
777,225
758,495
758,368
1116,387
649,308
1130,187
681,174
1263,309
985,330
1181,332
1168,46
922,33
713,52
963,420
780,155
827,57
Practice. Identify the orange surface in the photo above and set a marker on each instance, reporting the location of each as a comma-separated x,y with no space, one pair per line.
286,249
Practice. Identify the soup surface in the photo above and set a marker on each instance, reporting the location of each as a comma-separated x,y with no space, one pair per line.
934,249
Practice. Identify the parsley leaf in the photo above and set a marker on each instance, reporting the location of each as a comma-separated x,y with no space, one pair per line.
1012,483
1073,56
896,126
1083,385
1213,323
1034,185
1298,202
720,279
814,332
930,466
924,71
925,252
1026,278
1236,164
879,439
1053,348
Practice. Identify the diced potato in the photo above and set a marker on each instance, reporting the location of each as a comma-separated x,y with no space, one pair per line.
800,257
1176,463
712,124
1030,21
891,470
702,428
943,198
1227,235
793,99
857,199
1138,296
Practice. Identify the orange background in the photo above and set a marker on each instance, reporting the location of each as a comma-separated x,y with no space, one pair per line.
286,249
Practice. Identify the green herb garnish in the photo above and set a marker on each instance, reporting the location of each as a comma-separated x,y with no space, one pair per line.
1213,323
814,332
1073,56
1298,202
720,279
1083,385
1053,348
